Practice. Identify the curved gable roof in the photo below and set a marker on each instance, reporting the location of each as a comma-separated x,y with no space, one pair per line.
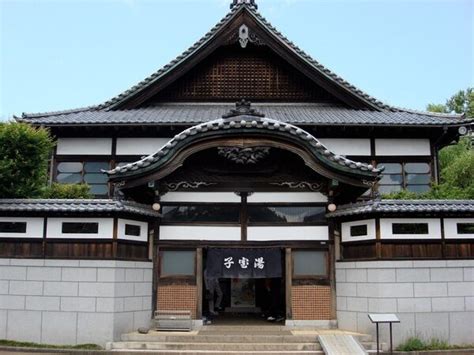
242,126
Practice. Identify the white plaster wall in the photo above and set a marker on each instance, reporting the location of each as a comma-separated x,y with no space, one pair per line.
347,146
287,233
287,197
143,237
432,298
140,146
346,230
399,147
214,233
54,228
224,197
451,229
34,227
434,228
84,146
73,301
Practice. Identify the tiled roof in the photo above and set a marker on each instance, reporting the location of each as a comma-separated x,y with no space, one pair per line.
300,114
101,114
84,206
403,206
249,124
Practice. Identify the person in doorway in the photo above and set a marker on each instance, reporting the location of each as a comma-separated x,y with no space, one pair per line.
213,288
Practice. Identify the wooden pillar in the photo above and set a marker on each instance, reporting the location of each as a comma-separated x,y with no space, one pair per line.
199,285
378,241
332,267
288,282
44,241
156,237
443,239
115,240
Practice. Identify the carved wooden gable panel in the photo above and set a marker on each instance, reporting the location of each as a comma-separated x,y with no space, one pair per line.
254,73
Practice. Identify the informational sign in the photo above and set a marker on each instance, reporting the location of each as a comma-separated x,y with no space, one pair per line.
244,263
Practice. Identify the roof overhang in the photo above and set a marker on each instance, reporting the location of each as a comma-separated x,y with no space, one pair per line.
245,131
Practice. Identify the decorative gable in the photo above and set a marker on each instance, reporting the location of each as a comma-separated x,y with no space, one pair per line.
254,73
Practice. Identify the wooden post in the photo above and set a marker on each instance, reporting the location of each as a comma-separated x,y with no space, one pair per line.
115,240
288,283
332,267
156,236
199,284
378,242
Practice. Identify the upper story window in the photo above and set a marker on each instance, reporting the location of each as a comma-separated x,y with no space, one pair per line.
286,214
201,213
84,172
415,177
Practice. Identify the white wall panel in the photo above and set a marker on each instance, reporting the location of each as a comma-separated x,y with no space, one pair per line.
54,228
399,147
143,237
213,233
140,146
434,228
451,228
228,197
34,227
283,197
84,146
288,233
347,146
346,230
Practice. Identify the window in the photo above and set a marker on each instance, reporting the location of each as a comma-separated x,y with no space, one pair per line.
132,230
415,177
465,228
409,228
80,228
85,172
178,263
12,227
309,263
286,214
201,214
358,231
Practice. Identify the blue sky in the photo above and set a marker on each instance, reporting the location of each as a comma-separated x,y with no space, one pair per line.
62,54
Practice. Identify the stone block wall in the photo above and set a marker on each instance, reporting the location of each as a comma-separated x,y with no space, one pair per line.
84,301
431,298
311,302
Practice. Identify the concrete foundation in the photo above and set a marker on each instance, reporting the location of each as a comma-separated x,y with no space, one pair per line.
433,299
73,301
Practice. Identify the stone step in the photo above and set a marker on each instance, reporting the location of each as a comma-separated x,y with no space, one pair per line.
205,352
217,338
215,346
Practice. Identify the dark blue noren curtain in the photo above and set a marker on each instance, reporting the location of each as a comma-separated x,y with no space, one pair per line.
244,263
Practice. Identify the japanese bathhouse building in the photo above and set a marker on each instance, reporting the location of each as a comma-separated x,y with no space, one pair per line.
243,160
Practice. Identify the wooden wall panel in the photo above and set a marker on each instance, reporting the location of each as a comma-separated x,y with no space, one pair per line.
232,74
21,248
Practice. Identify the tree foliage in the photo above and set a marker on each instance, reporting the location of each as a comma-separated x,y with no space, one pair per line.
24,156
461,102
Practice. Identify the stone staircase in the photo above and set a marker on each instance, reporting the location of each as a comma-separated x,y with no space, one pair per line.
227,340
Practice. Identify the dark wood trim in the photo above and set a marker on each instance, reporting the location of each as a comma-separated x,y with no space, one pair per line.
199,282
115,238
45,235
288,283
244,216
378,244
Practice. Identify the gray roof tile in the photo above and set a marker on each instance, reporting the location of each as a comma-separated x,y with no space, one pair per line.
299,114
403,206
76,205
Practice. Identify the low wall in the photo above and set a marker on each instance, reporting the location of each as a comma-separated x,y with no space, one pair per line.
73,301
431,298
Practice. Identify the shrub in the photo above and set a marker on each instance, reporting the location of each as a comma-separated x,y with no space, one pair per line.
64,191
24,154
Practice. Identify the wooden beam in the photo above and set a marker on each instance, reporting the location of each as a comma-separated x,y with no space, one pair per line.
288,283
199,283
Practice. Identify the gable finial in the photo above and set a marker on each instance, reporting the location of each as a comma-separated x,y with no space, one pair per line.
239,2
243,108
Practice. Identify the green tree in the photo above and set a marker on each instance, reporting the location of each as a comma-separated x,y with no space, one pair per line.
461,102
24,156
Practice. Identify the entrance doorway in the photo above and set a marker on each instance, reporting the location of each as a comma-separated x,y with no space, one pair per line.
243,285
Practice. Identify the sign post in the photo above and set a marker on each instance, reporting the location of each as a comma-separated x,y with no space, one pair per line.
384,318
